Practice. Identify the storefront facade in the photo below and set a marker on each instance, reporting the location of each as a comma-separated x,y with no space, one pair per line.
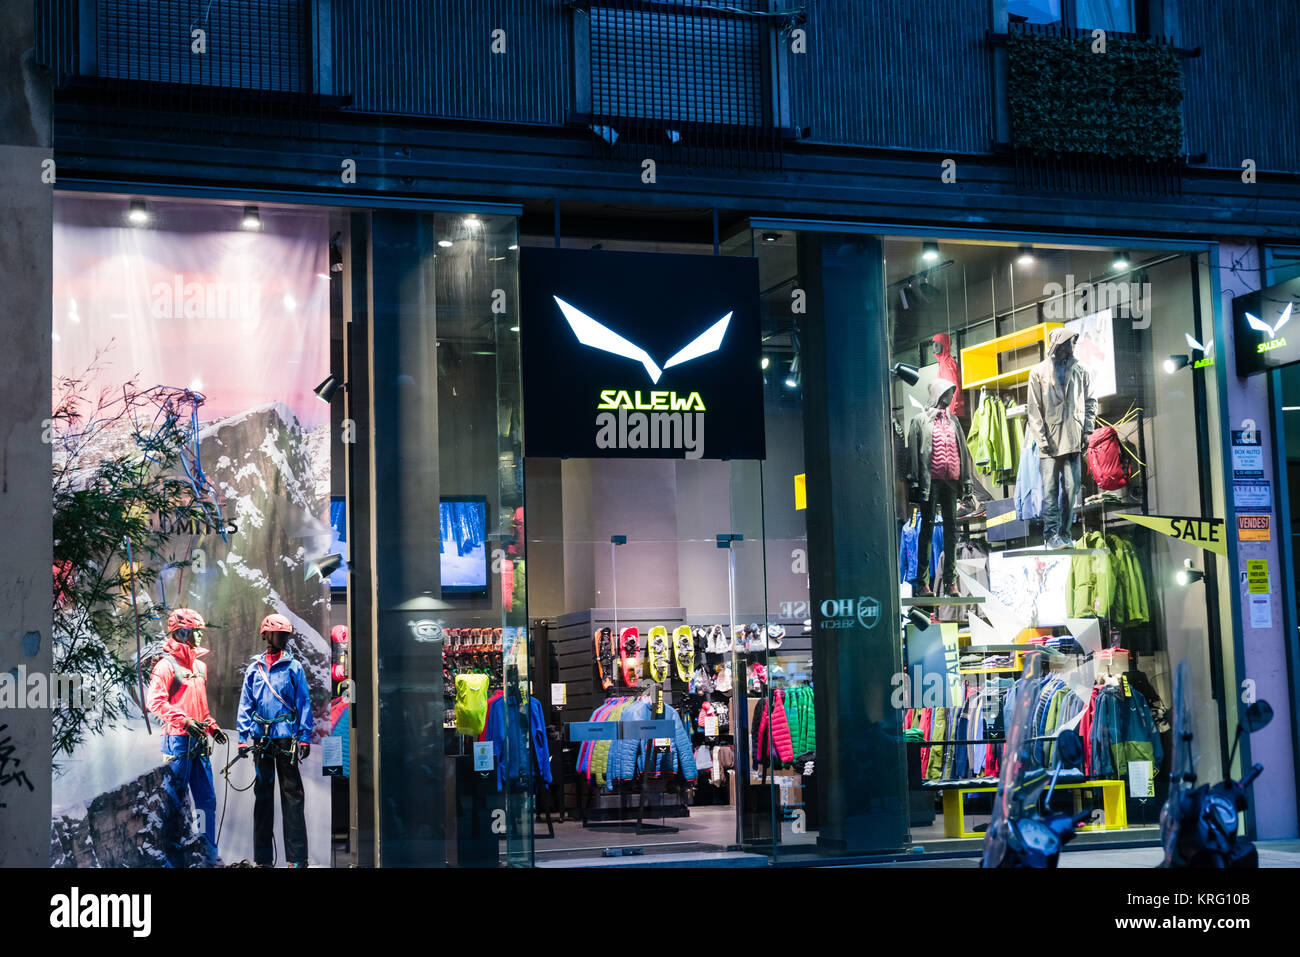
775,559
461,416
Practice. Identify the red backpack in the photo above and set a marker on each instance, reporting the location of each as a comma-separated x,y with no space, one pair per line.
1105,459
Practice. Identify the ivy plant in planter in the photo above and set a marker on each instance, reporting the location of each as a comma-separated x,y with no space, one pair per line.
1125,103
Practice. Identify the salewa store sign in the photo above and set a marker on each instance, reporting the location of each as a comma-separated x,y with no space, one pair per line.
1267,335
596,327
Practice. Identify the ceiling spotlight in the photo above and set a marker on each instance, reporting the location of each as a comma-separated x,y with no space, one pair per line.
909,374
771,237
325,391
764,362
445,243
252,218
138,215
1121,262
1188,575
1025,256
514,328
930,252
792,379
1174,363
513,247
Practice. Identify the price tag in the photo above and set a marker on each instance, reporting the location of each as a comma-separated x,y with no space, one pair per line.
559,693
1140,782
484,757
711,726
331,754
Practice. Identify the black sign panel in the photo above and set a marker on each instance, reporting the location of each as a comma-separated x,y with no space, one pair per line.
1267,328
640,355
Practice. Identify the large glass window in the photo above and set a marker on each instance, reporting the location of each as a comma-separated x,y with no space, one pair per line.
998,548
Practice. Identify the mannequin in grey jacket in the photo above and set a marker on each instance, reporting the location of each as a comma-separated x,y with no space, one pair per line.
1062,413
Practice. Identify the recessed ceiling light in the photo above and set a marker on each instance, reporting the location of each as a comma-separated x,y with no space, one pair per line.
930,252
252,220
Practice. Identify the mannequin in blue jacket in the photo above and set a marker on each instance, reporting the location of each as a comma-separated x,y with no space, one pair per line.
275,721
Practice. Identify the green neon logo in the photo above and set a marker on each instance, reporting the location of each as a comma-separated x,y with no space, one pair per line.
655,401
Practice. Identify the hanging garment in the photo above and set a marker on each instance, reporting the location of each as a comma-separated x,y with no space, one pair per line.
907,546
1122,731
772,742
800,715
1131,589
1029,483
938,732
989,439
1090,588
950,371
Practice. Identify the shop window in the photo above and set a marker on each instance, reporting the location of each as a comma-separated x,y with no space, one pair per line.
1113,16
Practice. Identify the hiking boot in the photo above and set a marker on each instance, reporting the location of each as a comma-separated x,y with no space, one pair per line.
921,590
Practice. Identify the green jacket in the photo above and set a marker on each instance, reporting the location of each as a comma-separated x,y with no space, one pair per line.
1131,592
989,438
1091,587
803,724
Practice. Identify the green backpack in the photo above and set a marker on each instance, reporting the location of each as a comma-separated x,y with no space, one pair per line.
471,704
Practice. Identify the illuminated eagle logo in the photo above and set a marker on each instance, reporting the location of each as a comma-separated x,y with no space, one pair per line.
592,333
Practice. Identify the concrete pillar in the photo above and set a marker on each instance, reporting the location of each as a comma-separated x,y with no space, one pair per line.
25,382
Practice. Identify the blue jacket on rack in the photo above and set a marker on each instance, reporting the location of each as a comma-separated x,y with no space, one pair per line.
627,755
1029,484
510,761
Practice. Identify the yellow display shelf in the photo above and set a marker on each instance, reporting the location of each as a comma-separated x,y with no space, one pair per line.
980,365
1114,808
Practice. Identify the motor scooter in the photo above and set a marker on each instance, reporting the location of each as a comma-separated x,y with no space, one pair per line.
1198,825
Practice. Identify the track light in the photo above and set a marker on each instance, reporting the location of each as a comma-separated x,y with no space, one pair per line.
1188,575
771,237
1174,363
1025,257
930,252
764,362
336,252
918,618
1121,262
909,374
792,380
138,215
325,391
252,218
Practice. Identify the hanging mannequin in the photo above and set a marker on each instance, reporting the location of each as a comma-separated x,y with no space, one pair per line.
948,369
1062,412
939,473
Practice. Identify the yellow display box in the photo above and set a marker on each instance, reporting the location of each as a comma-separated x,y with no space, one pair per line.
1112,798
980,365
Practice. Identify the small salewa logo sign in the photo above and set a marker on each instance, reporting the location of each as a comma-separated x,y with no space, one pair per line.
1128,300
102,911
180,299
1274,341
1206,351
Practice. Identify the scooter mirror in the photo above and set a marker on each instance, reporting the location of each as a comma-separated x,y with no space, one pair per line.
1258,715
1069,748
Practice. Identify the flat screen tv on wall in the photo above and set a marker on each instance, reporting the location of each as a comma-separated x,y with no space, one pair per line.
464,558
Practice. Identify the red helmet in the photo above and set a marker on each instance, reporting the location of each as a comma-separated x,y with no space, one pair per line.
275,623
184,618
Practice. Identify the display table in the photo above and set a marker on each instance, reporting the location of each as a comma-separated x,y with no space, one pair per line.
1112,795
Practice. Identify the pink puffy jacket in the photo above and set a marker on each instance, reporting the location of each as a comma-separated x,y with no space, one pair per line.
774,732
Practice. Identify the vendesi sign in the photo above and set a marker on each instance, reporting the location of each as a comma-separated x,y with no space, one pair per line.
640,355
1267,330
